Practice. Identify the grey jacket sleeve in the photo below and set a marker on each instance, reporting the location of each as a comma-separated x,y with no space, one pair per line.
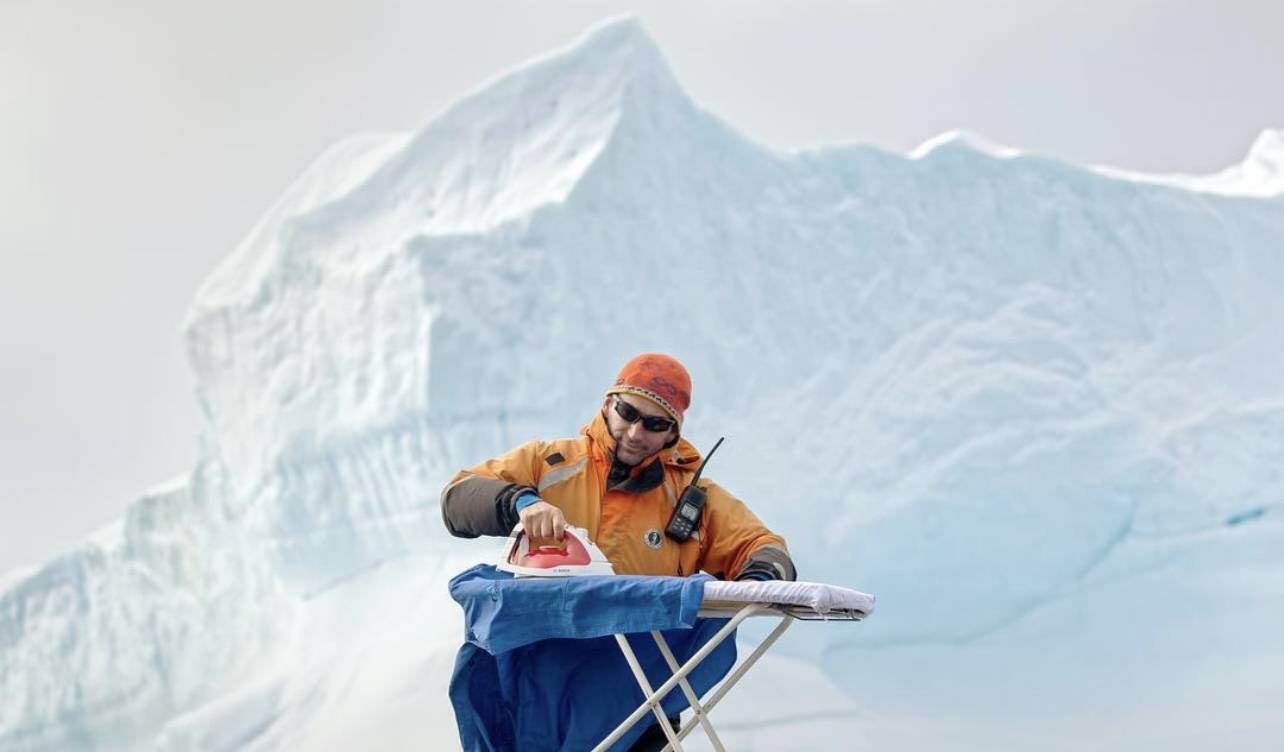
768,562
474,506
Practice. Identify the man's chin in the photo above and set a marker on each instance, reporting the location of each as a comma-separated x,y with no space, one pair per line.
628,458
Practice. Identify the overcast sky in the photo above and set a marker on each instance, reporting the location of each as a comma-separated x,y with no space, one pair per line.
139,140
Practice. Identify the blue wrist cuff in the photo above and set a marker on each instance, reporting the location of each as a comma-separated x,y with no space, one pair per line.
525,500
755,575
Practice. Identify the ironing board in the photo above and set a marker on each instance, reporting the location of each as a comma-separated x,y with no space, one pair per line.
735,601
544,659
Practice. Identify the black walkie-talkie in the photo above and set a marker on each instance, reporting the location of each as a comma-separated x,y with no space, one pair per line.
686,515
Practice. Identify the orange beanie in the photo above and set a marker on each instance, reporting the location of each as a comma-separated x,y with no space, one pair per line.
658,377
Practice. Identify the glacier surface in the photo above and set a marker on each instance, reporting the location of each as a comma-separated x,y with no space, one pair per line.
1037,408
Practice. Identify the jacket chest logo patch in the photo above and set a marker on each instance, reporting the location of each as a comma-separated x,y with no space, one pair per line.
653,538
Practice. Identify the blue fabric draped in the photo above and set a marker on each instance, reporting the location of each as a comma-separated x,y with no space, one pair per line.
540,670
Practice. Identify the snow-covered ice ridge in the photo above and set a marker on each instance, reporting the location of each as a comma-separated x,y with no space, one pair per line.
1037,408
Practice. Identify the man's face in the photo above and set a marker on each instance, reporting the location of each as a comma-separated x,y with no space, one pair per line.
633,443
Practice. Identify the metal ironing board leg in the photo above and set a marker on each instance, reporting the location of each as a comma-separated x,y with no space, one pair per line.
652,698
701,713
743,668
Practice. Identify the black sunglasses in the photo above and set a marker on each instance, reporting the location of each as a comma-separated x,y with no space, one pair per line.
652,423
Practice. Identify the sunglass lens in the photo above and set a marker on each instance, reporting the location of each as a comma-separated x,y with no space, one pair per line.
626,411
656,425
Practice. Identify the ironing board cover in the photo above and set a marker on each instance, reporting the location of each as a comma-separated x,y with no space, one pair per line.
816,597
540,669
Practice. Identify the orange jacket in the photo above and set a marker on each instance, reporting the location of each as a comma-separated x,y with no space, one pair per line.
571,474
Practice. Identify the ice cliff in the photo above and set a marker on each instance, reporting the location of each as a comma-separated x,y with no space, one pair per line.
1037,408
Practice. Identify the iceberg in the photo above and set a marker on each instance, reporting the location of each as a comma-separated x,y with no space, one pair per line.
1036,407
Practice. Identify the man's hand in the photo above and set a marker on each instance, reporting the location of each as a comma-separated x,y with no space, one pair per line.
542,520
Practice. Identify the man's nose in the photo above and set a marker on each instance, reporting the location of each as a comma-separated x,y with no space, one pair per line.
635,430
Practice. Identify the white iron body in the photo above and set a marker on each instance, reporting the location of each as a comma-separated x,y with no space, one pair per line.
579,558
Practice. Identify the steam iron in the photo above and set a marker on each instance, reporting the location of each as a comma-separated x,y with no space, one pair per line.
576,556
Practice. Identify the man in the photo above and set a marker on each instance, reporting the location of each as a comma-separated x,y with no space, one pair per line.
620,481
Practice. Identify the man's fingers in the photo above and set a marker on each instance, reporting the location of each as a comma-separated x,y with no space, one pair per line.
530,517
543,521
